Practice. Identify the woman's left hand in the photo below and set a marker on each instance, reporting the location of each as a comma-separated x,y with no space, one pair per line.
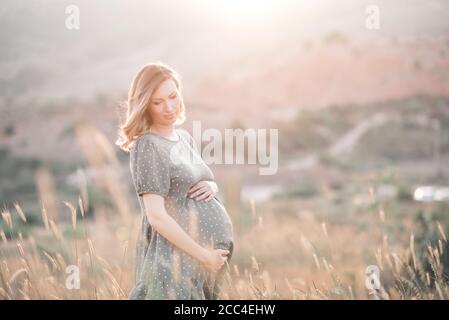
203,190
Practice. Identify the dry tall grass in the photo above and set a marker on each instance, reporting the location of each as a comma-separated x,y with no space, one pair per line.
302,259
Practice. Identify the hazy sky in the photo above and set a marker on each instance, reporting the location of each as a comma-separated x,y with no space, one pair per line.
40,56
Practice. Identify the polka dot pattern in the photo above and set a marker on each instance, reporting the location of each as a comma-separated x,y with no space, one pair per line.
162,270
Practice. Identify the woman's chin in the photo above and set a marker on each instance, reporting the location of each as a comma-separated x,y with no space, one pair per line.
171,121
166,122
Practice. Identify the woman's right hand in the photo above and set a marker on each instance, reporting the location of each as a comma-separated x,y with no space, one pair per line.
215,259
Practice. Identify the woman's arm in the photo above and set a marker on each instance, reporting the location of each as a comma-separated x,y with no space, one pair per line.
163,223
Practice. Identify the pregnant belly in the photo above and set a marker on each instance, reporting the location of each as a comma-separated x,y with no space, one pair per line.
214,226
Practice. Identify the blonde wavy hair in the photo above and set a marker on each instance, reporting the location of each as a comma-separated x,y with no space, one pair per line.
143,85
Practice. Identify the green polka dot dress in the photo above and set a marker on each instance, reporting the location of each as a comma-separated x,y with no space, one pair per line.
169,168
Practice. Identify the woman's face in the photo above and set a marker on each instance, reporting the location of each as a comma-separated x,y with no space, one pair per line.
165,104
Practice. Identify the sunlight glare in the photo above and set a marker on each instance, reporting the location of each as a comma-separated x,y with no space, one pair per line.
245,9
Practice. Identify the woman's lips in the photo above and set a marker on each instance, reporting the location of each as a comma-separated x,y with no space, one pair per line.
170,116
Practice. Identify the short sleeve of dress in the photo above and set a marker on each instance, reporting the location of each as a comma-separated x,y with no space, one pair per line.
152,171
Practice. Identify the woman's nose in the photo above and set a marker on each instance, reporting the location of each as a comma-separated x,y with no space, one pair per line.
170,107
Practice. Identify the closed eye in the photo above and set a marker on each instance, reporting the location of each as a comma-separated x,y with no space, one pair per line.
172,96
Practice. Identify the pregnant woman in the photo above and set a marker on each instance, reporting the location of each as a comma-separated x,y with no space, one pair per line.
186,236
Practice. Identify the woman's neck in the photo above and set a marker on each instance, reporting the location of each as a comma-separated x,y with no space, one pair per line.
166,131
